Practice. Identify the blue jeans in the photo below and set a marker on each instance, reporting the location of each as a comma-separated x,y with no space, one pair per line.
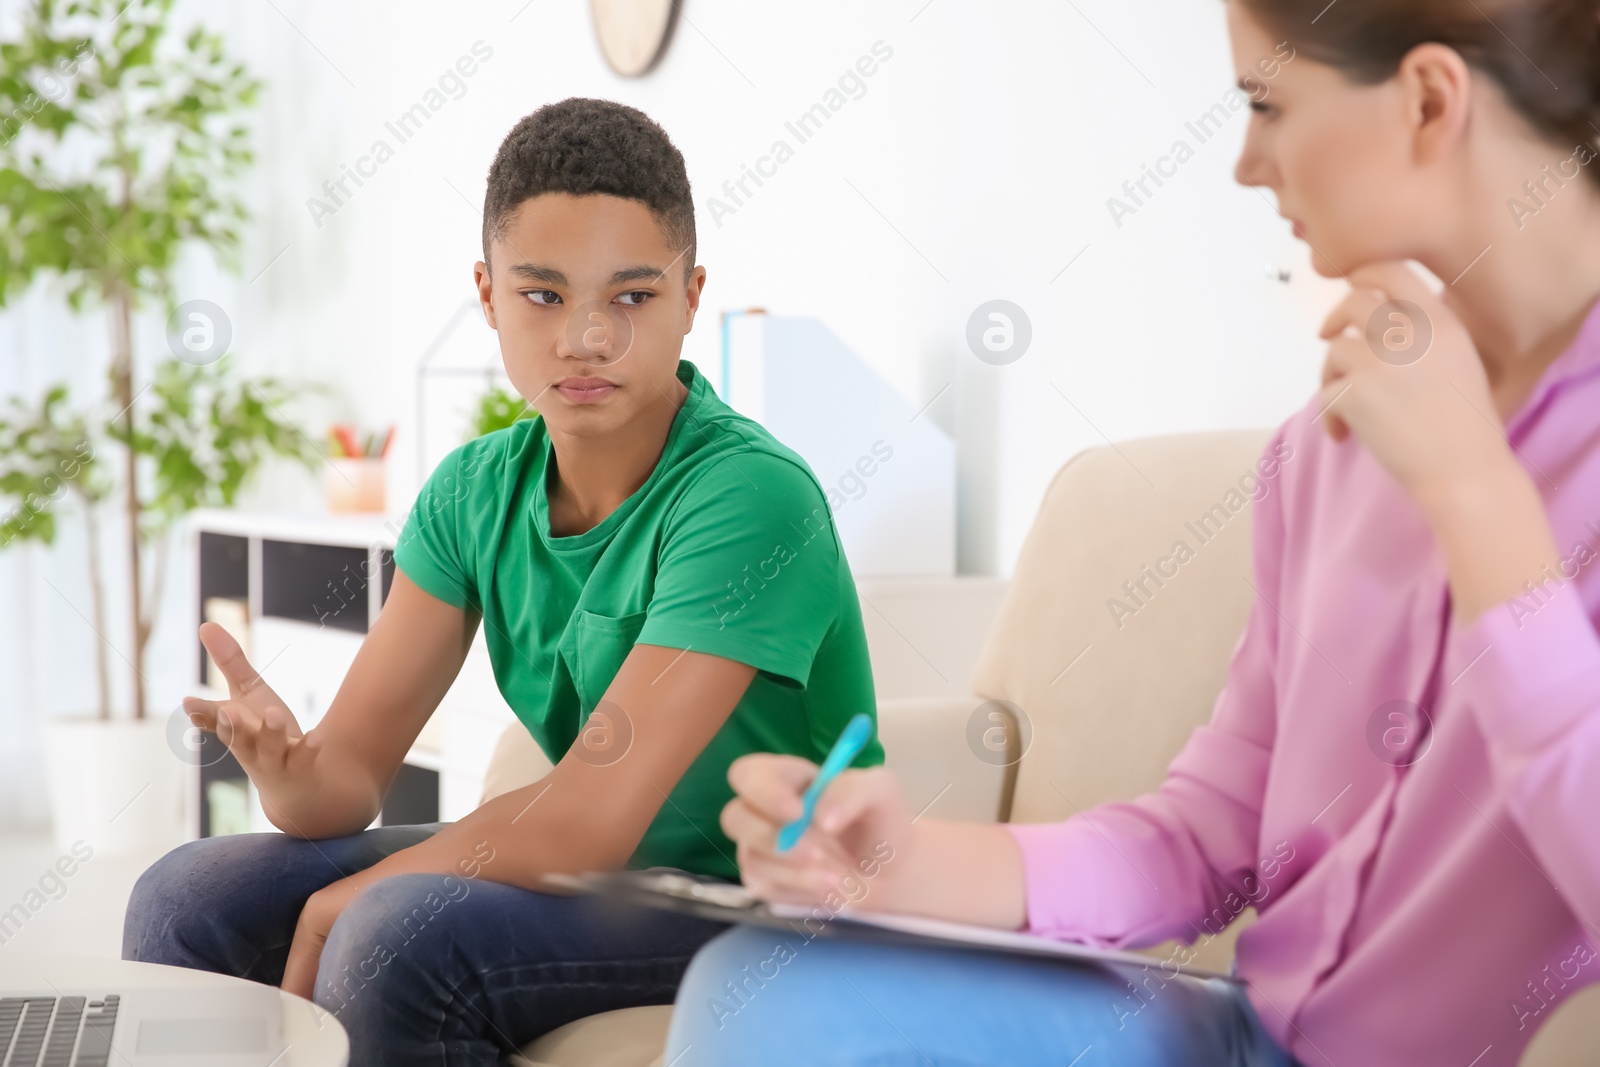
763,996
420,968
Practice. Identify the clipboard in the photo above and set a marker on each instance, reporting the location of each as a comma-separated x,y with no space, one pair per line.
727,902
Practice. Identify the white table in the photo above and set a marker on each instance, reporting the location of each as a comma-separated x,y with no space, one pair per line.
314,1037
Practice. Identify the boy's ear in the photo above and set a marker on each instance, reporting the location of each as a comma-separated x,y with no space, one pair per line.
480,278
692,291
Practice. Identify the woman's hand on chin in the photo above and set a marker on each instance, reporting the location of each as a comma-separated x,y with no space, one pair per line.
1403,375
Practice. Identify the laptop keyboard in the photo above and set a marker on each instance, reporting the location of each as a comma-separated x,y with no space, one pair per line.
45,1031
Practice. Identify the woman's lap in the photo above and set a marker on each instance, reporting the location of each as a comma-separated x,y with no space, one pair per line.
757,995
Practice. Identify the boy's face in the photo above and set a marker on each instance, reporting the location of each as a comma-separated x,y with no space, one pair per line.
591,306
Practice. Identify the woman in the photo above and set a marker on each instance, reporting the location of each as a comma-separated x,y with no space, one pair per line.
1407,749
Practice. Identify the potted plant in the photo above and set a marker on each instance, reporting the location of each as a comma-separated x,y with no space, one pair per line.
497,408
119,146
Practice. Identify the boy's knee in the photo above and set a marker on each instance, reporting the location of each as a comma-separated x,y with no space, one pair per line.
168,892
183,904
174,872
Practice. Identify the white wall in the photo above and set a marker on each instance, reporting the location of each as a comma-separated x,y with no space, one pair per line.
976,165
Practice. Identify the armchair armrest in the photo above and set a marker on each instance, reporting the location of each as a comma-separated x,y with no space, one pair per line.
925,742
517,761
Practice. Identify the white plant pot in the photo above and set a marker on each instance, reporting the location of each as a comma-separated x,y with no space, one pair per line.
117,785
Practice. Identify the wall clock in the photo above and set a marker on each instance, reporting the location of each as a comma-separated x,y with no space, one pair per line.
633,34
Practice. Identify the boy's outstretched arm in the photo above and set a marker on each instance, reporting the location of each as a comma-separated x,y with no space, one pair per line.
588,813
331,780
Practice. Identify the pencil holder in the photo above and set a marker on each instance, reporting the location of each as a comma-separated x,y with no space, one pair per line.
354,485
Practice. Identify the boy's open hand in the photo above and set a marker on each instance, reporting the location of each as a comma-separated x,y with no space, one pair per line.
255,723
861,827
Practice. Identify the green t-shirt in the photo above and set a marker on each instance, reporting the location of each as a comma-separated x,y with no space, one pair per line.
728,548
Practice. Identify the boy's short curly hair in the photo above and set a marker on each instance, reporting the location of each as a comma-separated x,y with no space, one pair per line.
582,146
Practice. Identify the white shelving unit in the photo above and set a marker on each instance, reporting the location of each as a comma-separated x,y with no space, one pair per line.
311,585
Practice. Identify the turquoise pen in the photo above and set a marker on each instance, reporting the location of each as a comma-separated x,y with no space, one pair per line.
857,732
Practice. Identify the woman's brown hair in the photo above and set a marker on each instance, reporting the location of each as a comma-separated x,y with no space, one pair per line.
1543,54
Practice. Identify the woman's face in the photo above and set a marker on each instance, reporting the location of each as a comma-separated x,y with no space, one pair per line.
1339,156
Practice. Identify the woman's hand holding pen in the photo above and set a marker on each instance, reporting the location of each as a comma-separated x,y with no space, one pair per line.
865,848
857,845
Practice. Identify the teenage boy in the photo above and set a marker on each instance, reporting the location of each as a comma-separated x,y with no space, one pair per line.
661,590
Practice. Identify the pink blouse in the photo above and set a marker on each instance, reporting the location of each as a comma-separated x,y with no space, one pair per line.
1413,806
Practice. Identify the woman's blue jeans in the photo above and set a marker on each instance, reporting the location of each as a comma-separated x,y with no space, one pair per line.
762,996
421,968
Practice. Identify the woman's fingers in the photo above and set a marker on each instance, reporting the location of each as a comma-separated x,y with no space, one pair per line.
772,785
1336,367
780,878
746,826
754,833
1336,364
768,790
1372,286
1353,311
749,828
768,797
1395,279
853,796
1327,399
1335,381
1349,354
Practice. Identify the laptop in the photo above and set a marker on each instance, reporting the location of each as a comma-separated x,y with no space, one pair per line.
174,1026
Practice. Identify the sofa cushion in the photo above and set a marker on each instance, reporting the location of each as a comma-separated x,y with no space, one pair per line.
927,744
627,1037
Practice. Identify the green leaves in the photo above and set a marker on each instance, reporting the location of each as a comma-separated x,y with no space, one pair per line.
497,409
207,434
45,452
202,433
118,143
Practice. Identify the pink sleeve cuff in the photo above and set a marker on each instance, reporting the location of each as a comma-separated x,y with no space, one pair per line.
1080,887
1530,667
1056,901
1135,873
